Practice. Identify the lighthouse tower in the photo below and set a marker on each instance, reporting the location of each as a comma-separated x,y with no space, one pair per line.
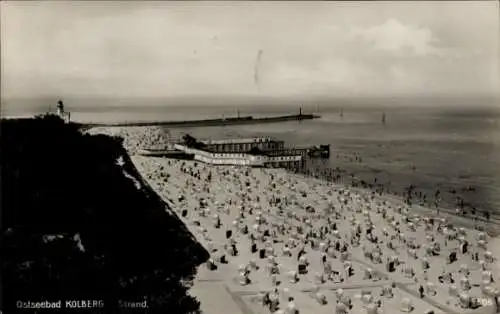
61,113
60,108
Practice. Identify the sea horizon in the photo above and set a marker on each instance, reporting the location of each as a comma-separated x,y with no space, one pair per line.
115,109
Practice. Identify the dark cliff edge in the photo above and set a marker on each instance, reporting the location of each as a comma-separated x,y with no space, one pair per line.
210,122
74,227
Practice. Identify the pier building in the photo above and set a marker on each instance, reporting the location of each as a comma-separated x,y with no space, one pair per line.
250,152
252,158
244,144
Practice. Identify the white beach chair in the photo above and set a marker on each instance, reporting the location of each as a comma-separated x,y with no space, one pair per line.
481,244
366,299
320,298
488,257
465,284
406,305
464,300
481,236
387,292
293,276
430,288
413,253
464,270
371,309
339,293
452,291
341,308
425,263
487,276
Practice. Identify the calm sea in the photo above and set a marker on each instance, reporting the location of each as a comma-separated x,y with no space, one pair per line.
454,150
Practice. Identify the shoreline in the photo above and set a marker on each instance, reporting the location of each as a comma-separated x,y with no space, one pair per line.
492,227
444,206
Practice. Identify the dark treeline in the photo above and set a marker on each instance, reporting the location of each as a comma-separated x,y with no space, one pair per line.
74,227
192,142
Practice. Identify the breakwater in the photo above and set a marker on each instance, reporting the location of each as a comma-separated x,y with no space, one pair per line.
208,122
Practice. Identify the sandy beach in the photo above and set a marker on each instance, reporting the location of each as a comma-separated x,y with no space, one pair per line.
284,243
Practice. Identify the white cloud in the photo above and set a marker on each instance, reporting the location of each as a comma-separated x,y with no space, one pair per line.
394,36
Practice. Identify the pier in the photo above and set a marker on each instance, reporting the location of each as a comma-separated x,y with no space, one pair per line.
253,152
207,122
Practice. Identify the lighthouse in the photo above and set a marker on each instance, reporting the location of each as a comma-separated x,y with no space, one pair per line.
61,113
60,109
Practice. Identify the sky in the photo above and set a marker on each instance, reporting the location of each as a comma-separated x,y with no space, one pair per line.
197,49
